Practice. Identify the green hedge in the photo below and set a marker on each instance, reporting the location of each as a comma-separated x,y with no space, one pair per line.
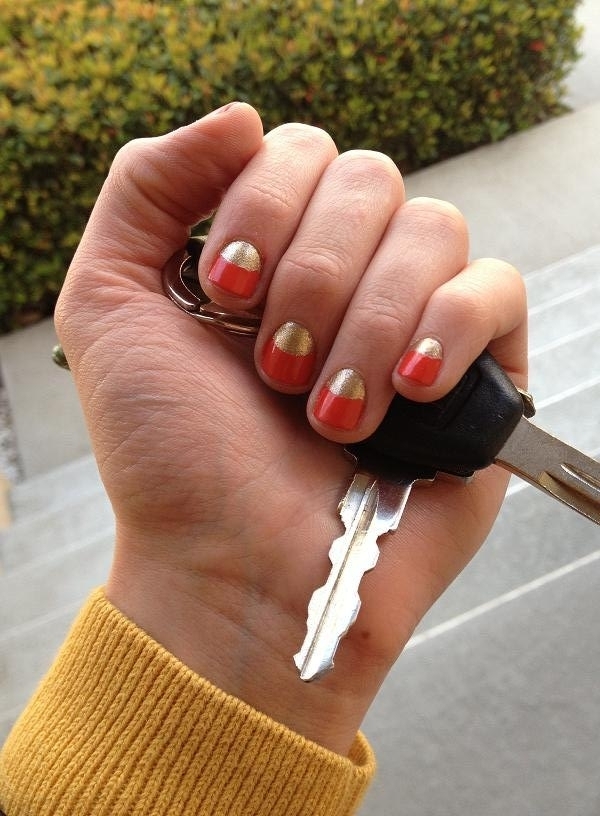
420,80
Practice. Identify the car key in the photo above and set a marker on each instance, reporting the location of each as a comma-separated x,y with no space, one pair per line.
547,463
483,420
371,507
479,422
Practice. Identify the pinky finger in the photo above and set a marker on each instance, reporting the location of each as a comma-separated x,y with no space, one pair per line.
483,306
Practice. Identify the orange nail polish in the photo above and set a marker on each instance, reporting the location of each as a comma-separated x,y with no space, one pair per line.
289,356
341,401
422,362
237,269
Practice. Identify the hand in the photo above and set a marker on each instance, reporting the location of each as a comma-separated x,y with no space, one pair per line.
223,480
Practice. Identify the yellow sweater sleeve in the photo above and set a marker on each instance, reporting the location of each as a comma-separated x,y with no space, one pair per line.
120,726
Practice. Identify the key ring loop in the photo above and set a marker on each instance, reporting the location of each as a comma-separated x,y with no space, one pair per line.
180,283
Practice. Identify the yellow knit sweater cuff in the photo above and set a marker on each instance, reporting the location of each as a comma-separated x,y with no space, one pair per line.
120,726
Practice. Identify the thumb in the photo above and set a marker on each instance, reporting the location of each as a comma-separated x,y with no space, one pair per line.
157,188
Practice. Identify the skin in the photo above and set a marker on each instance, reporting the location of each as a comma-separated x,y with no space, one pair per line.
223,483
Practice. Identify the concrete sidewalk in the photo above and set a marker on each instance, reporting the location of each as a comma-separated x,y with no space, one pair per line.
531,199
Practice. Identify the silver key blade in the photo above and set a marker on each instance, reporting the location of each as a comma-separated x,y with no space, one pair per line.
370,508
554,467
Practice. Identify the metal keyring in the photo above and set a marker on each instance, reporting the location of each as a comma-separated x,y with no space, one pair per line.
180,283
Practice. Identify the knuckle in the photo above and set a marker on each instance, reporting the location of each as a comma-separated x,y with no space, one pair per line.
435,208
130,159
434,216
510,274
68,315
378,316
319,272
132,170
276,203
277,186
369,169
60,315
304,137
468,303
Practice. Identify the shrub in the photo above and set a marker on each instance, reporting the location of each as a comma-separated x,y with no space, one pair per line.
419,79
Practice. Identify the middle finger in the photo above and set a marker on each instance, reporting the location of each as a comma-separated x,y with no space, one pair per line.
316,277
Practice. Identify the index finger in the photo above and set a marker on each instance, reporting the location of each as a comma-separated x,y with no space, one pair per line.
156,189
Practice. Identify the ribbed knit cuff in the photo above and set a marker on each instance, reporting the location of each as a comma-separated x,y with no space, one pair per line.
120,726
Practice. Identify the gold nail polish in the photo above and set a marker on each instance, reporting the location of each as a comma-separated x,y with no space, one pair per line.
422,361
292,338
347,383
242,254
289,356
429,347
341,401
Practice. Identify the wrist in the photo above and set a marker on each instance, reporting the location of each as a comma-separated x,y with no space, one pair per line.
242,640
168,739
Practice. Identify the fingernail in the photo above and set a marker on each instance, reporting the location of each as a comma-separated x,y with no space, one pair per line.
225,108
341,400
422,362
237,269
289,356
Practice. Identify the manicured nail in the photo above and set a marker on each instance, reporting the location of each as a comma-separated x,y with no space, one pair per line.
289,356
341,400
422,362
225,108
237,269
